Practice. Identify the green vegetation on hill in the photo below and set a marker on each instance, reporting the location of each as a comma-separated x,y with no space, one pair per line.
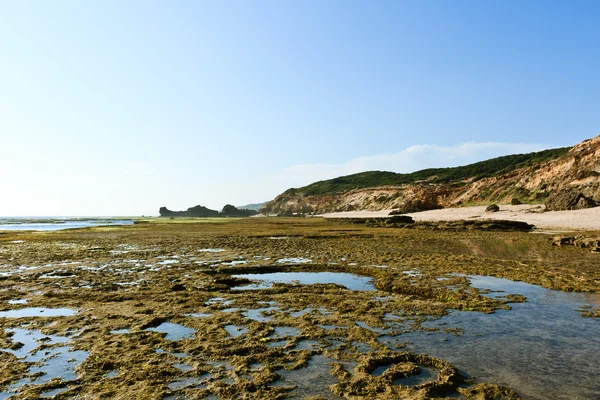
479,170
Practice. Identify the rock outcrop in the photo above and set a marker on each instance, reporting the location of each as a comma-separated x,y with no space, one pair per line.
203,212
571,199
196,211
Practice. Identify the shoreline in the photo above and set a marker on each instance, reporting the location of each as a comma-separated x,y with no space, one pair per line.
572,220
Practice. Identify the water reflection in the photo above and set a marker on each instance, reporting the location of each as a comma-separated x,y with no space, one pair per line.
541,346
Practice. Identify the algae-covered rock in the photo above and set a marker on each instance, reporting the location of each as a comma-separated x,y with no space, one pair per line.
568,200
492,208
400,219
488,391
483,225
584,242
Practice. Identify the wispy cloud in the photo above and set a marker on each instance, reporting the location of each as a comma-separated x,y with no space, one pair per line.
138,168
410,159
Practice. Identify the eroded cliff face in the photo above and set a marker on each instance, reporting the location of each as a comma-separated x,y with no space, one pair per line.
574,176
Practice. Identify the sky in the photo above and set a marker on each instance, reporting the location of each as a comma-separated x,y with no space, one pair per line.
119,107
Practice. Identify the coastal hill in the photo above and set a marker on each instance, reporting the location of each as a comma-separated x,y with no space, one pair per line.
203,212
563,178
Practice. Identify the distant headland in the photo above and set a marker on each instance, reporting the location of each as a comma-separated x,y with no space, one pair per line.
204,212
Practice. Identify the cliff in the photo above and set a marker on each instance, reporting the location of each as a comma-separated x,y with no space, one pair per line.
566,178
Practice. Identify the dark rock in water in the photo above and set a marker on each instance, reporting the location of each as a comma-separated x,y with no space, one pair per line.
232,211
568,200
396,212
492,208
165,212
515,201
404,221
503,225
396,221
197,211
484,225
563,241
584,242
203,212
488,391
400,219
177,287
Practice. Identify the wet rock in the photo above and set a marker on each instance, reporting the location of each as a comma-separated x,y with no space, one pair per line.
568,200
562,241
16,345
196,211
584,242
395,221
392,221
484,225
487,391
232,211
589,312
492,208
515,202
400,219
231,281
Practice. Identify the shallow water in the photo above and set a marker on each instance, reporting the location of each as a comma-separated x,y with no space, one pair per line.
38,312
183,367
265,281
285,331
314,379
235,330
55,360
258,315
277,343
174,331
53,392
543,347
18,301
198,315
427,374
187,382
294,260
56,224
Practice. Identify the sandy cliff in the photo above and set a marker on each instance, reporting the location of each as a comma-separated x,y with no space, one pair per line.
570,181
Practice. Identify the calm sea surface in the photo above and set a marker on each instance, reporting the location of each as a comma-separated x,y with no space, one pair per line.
56,223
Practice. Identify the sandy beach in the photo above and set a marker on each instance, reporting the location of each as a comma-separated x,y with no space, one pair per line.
585,220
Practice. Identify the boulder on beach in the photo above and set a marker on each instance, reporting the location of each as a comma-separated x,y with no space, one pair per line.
492,208
568,200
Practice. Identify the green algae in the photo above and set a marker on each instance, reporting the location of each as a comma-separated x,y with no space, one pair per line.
118,279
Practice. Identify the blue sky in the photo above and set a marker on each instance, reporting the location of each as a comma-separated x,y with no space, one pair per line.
120,107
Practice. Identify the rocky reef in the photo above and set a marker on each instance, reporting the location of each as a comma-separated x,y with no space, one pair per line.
204,212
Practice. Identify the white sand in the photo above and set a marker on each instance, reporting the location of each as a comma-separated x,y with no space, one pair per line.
588,219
